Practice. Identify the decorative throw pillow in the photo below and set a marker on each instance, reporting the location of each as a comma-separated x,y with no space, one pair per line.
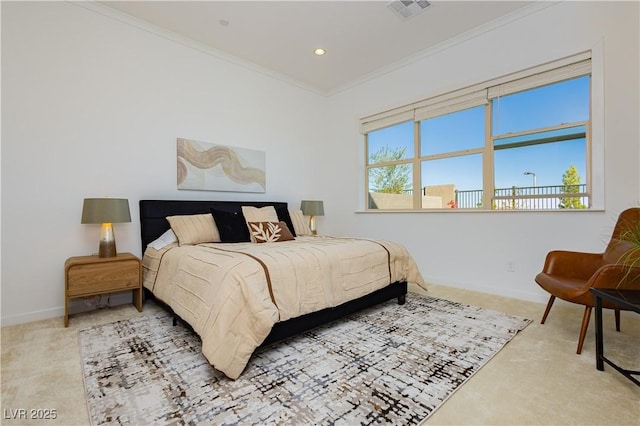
300,222
258,214
194,229
270,232
231,225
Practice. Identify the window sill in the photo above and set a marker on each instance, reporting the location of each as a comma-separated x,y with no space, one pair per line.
459,211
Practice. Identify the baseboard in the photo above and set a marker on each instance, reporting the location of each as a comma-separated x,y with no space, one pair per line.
32,316
530,296
78,305
75,306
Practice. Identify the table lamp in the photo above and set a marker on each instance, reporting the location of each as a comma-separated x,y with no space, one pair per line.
312,208
106,211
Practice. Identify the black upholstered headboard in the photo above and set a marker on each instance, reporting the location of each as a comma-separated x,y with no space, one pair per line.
153,213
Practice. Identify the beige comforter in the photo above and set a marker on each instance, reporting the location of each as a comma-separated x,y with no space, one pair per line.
233,294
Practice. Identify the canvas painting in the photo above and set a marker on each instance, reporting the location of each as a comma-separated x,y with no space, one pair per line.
211,167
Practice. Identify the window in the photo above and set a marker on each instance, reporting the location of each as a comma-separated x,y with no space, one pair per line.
520,142
389,176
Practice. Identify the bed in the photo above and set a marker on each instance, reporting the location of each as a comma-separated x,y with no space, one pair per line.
239,295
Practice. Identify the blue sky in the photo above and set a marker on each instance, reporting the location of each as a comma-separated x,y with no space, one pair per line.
565,102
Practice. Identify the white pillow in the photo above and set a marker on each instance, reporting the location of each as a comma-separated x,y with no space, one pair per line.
262,214
300,222
169,237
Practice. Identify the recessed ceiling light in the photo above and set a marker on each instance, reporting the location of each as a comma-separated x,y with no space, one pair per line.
319,51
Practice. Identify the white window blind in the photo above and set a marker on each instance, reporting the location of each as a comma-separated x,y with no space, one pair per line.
541,79
380,121
451,104
479,94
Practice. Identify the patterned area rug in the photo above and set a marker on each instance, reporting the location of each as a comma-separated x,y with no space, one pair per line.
391,363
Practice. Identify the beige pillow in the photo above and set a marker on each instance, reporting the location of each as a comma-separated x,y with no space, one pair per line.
194,229
300,222
259,214
270,232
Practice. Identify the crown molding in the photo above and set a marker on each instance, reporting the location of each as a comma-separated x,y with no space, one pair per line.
534,8
127,19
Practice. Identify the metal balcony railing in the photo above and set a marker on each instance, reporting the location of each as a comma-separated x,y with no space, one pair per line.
527,198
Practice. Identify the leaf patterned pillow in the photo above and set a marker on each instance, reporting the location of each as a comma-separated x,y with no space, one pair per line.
270,232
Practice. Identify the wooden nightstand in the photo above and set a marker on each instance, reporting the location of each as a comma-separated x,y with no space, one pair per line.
91,275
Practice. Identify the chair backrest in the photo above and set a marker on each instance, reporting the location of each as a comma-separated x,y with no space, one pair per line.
619,245
616,251
628,219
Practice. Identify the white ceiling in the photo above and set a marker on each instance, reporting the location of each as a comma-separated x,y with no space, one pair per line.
362,38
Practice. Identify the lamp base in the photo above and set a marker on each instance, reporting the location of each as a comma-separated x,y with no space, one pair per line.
107,249
107,241
312,225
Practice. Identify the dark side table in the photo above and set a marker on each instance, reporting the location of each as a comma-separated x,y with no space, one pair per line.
627,299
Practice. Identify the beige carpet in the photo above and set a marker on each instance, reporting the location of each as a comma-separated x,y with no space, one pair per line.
537,379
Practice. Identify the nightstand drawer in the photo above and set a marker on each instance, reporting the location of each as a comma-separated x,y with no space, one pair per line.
98,278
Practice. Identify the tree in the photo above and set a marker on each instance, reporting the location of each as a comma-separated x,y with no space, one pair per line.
393,179
571,185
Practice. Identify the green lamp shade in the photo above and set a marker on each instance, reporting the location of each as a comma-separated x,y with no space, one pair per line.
105,210
312,208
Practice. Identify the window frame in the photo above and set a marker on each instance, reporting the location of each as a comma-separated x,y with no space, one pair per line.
557,71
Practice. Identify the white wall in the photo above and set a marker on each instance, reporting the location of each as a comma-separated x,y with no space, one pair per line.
92,107
471,249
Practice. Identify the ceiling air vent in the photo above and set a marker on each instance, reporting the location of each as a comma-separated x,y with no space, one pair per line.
407,9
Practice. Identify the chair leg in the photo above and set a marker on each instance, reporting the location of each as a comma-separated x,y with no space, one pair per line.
617,312
583,329
546,311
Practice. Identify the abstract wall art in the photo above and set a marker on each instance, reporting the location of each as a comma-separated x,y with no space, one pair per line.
211,167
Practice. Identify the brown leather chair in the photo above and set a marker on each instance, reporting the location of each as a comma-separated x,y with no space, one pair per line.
569,275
